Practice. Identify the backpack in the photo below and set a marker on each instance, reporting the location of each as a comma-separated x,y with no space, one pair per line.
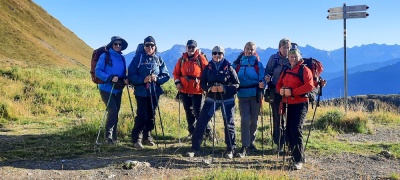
140,51
95,58
255,65
316,68
198,59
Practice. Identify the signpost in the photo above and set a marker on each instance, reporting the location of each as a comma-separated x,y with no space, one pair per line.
346,12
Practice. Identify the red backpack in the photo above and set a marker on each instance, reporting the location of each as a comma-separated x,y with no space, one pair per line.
316,68
237,63
95,58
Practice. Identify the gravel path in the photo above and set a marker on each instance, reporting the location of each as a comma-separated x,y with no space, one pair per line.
333,166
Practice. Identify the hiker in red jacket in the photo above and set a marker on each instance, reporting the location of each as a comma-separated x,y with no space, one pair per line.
187,73
292,90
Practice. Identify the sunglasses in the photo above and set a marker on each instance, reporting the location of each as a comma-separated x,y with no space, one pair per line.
117,44
219,53
148,45
191,47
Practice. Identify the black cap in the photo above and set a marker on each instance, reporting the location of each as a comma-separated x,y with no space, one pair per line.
149,39
191,43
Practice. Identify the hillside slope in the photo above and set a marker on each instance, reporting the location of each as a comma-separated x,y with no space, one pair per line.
31,36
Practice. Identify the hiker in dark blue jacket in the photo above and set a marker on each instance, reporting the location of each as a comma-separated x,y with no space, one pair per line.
220,81
147,73
251,76
114,75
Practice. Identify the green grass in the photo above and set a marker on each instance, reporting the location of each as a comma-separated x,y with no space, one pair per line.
55,113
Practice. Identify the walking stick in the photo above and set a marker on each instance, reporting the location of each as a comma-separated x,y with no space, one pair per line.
312,120
159,114
179,116
104,116
262,126
130,101
284,129
225,119
213,148
152,111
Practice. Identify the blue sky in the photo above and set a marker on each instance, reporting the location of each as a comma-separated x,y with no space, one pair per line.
228,23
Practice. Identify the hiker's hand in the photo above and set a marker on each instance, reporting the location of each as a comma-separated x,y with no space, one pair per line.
114,79
323,82
261,85
267,78
214,89
282,92
147,79
179,86
126,81
153,78
288,92
220,88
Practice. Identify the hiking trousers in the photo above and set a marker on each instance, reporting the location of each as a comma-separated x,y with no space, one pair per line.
144,120
205,116
192,105
295,118
112,112
249,111
277,122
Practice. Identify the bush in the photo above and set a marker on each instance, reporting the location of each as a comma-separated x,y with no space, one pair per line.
337,120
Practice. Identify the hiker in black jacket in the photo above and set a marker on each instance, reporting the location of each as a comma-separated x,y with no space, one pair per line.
220,81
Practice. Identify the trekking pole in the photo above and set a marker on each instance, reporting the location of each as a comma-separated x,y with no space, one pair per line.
262,126
179,116
130,101
213,148
152,111
104,116
271,125
159,114
312,120
284,129
225,119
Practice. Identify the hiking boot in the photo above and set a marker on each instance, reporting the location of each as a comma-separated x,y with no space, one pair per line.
228,154
252,147
148,142
243,152
138,145
297,165
194,153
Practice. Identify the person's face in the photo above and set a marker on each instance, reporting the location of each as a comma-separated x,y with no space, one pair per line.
293,59
249,50
117,45
150,48
190,49
217,56
284,50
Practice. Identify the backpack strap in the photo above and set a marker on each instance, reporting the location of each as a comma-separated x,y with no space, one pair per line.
140,60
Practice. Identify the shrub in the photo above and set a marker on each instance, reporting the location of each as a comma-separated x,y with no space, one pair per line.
337,120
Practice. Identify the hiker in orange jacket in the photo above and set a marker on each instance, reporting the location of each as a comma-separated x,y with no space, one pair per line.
187,73
292,90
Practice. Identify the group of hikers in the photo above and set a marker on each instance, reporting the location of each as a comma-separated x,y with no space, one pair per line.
205,86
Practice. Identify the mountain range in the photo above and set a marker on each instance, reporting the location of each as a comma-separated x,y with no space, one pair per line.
31,36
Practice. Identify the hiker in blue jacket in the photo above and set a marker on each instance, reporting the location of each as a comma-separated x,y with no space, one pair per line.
250,72
114,75
147,73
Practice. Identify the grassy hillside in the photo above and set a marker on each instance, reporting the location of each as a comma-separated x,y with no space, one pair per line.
30,36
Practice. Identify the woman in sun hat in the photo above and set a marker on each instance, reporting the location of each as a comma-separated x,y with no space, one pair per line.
113,73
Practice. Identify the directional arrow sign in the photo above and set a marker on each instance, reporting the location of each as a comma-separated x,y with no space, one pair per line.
356,8
356,15
335,10
335,16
